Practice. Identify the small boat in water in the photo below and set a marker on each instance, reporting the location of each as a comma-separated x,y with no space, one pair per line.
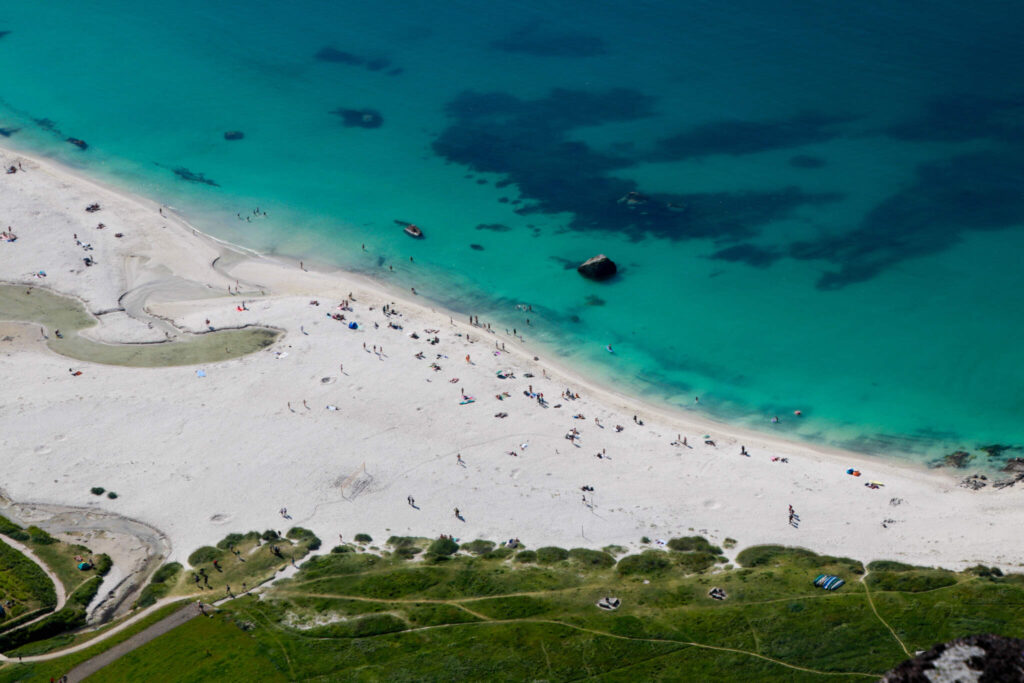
410,229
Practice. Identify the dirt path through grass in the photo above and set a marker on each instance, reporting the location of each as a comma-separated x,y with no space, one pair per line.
867,592
485,620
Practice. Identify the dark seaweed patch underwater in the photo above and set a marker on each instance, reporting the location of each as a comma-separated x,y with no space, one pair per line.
528,141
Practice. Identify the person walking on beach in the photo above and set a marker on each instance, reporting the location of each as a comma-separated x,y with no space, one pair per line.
457,515
411,501
459,460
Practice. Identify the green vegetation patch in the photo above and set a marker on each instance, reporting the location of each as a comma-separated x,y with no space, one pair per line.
775,555
525,556
695,562
357,616
891,566
7,527
478,547
205,554
70,617
40,537
443,547
911,581
160,585
301,535
647,562
103,564
551,554
515,607
24,586
693,543
594,559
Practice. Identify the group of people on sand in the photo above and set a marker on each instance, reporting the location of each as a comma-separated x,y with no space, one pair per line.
568,394
8,235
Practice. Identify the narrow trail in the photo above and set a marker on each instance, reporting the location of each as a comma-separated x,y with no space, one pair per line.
874,609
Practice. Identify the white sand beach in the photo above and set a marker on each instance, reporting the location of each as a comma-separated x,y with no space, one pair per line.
339,435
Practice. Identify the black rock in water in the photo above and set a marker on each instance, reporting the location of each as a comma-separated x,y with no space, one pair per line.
598,268
234,135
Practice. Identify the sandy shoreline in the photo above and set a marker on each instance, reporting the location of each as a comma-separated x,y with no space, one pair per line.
198,457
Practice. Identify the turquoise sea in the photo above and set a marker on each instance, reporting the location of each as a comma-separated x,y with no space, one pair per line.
830,195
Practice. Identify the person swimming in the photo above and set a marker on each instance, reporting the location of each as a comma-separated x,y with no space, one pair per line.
609,348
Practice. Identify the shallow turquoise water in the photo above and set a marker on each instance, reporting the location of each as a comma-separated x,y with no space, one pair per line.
881,294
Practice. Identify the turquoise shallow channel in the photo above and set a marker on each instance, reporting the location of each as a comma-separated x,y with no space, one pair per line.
828,211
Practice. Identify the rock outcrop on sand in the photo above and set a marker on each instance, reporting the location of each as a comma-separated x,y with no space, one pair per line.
974,658
598,268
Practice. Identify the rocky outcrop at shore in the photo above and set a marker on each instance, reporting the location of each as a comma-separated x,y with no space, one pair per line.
1014,466
957,459
983,657
598,268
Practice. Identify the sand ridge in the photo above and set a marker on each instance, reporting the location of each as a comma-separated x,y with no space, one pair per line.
340,435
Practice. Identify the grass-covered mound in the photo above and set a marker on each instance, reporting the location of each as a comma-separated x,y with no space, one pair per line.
348,613
24,587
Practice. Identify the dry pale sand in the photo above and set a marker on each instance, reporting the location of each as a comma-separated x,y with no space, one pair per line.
198,457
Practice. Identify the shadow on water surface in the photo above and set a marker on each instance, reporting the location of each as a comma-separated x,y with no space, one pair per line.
528,142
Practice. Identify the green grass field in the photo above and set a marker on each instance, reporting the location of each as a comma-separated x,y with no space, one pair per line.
356,616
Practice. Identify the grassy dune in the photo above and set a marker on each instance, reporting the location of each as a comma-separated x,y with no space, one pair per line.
353,615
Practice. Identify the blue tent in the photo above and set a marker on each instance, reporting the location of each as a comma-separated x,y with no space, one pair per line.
828,582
